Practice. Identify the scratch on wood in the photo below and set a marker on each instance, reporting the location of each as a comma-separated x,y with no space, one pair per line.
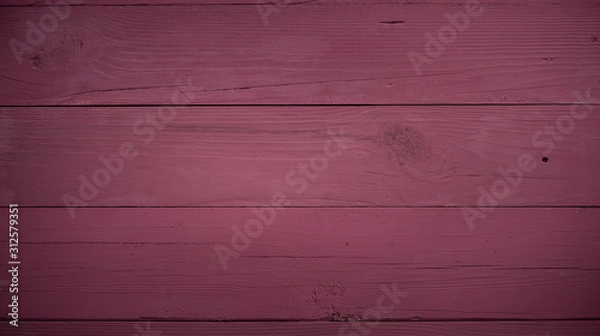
393,22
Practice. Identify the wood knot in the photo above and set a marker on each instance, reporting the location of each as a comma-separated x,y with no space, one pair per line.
406,142
58,52
415,154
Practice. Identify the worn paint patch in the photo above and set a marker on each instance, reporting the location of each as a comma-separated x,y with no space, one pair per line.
327,297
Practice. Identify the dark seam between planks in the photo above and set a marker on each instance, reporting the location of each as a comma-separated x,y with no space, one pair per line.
306,207
324,319
298,3
295,105
185,4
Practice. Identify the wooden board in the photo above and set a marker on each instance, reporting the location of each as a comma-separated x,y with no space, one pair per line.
308,264
392,156
281,3
423,193
141,328
327,52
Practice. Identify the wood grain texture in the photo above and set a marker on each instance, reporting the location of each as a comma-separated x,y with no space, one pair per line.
281,3
141,328
309,264
377,208
349,52
394,156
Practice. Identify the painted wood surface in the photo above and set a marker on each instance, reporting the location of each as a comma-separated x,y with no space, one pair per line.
281,4
348,52
387,156
563,328
413,153
309,264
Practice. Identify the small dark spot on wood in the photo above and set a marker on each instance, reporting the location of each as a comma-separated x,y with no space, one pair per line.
35,61
392,22
544,159
548,59
594,38
337,317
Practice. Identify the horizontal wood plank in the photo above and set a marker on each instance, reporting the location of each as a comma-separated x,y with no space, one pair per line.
244,156
350,52
308,264
280,3
141,328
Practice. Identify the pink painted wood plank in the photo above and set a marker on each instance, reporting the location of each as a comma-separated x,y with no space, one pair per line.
562,328
243,156
282,3
309,264
310,53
